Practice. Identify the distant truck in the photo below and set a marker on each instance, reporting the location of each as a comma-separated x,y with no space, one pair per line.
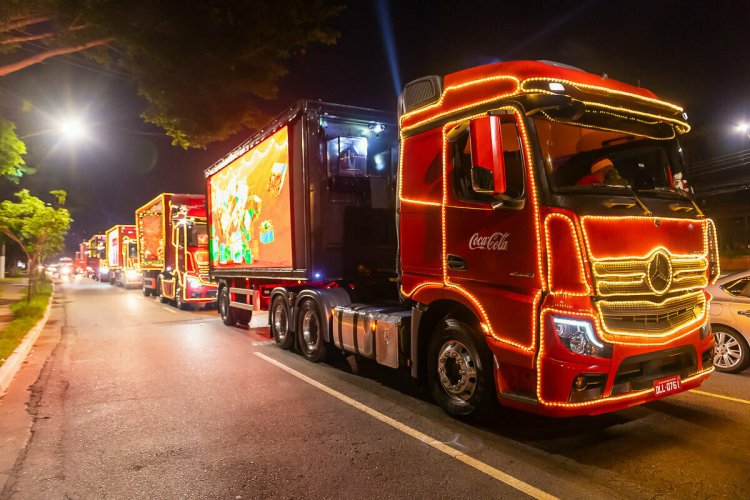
122,256
173,249
97,258
80,261
524,234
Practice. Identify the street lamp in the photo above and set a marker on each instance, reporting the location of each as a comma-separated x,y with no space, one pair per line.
743,128
72,128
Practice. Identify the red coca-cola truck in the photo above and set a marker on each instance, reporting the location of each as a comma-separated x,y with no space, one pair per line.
173,249
525,233
122,256
97,258
80,261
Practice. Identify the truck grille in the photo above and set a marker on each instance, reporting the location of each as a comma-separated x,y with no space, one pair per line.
625,317
620,277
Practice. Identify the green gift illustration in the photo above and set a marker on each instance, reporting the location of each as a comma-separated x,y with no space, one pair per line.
266,231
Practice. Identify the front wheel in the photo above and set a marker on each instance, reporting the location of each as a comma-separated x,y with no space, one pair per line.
310,332
280,323
178,300
459,370
227,315
731,354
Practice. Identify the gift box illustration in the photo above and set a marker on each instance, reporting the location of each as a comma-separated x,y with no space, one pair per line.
276,179
266,231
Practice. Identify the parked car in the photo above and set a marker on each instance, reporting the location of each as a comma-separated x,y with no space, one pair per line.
730,321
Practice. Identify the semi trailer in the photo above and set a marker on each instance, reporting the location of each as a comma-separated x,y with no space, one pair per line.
520,232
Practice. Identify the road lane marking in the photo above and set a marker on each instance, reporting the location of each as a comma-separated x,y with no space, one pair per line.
719,396
262,342
451,452
169,309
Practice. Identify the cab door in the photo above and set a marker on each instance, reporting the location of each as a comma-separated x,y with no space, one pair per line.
492,253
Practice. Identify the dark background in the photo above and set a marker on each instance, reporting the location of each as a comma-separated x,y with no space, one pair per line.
693,53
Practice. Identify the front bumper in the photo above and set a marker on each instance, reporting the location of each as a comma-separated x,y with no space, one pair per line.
624,379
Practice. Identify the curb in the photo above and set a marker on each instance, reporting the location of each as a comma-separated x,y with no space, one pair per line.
15,361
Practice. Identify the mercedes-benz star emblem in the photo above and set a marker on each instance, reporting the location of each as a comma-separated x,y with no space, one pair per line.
659,276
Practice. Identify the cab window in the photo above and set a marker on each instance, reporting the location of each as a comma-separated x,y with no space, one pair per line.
514,164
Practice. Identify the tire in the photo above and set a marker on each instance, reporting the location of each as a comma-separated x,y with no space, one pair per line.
227,315
279,316
146,291
310,339
178,302
732,354
460,371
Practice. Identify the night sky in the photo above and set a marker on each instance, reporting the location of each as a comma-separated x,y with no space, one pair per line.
696,54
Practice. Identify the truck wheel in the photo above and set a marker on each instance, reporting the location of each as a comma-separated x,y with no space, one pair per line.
227,315
146,291
310,332
459,370
280,323
731,353
178,302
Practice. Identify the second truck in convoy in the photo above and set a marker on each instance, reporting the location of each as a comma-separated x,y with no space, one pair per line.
173,249
524,233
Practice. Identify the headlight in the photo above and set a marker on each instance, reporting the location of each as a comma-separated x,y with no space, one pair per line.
103,269
578,336
131,274
193,282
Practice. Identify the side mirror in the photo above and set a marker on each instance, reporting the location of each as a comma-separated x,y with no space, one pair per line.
488,162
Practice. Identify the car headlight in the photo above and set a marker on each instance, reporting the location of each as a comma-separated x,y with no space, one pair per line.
578,336
103,269
193,282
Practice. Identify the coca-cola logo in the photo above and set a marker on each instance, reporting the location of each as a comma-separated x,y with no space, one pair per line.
495,241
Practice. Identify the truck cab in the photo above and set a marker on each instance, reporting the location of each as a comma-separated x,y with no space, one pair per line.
122,256
173,250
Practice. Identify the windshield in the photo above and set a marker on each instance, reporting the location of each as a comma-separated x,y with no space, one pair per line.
577,157
198,235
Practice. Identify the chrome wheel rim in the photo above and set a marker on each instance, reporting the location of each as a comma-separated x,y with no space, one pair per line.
728,351
280,324
310,330
457,370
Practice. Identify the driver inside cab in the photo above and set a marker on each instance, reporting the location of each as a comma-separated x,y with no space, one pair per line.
603,172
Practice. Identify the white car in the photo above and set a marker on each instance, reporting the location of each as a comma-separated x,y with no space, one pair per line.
730,321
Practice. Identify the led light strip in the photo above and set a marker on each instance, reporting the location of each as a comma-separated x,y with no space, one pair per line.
528,81
439,103
579,256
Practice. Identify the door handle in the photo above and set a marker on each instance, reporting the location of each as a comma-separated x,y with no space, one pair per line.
744,313
456,263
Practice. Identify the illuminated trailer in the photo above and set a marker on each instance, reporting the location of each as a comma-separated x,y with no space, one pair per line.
173,249
536,243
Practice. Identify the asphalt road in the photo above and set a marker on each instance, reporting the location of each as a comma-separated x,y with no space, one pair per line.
140,400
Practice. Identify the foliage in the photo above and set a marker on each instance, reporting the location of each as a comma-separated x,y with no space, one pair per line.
26,314
203,67
38,227
12,149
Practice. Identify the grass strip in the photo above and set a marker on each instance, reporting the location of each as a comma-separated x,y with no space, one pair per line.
25,316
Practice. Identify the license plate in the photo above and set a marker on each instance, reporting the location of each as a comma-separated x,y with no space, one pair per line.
667,386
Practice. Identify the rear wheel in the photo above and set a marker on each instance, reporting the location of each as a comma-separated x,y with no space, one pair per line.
731,354
146,290
310,332
280,323
459,370
226,312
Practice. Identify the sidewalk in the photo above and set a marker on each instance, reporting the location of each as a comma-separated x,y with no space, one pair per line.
11,291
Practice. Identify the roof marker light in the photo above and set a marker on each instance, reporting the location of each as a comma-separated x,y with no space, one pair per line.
556,87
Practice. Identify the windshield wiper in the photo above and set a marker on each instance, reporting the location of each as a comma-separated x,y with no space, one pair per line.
678,192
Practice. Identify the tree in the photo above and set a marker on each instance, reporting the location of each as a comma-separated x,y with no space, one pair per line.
39,228
203,67
12,149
